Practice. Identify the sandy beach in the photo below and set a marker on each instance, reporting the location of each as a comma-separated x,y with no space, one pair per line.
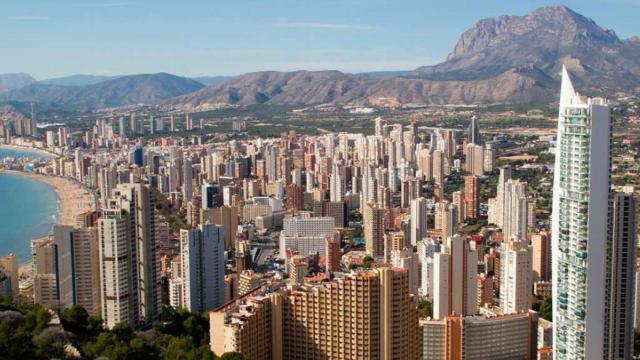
42,152
74,199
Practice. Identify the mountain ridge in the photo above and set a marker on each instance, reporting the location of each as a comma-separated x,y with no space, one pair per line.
506,59
125,90
13,81
502,60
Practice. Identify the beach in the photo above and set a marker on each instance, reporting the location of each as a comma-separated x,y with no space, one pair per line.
74,199
41,152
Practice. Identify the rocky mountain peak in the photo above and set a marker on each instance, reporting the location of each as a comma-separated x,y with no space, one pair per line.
557,25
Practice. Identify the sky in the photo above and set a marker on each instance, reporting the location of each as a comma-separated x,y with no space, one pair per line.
51,38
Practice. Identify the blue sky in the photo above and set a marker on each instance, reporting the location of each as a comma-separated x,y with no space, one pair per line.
49,38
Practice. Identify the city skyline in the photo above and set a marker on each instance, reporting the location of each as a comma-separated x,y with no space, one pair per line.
225,40
479,208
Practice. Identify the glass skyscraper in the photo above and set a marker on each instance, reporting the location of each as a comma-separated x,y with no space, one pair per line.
580,226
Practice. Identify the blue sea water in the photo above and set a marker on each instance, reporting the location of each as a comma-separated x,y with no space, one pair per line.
28,209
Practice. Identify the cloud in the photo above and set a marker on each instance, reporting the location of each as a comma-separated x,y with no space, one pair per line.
328,26
26,18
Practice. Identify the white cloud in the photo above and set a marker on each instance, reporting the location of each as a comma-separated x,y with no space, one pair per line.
329,26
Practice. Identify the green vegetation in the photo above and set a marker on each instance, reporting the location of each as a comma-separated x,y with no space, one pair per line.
31,332
473,226
426,308
367,261
175,219
544,307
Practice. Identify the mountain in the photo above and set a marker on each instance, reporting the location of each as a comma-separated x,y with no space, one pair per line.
543,40
319,87
126,90
508,59
14,81
383,74
77,80
211,80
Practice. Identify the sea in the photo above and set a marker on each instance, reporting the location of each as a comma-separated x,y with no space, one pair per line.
28,209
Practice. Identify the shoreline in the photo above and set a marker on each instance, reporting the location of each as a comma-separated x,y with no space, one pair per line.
73,199
34,150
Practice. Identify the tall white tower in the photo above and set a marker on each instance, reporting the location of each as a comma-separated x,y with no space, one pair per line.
202,267
418,220
337,184
187,183
515,210
516,276
580,231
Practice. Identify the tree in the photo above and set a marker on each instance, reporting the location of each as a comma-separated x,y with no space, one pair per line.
367,261
77,320
426,308
232,356
121,343
182,348
179,322
546,309
25,333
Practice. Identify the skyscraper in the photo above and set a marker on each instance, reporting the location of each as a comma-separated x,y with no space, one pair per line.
580,229
373,219
332,254
409,190
475,159
33,125
474,132
623,272
209,196
187,183
515,210
202,267
365,315
129,257
337,185
117,268
9,265
515,276
76,267
541,256
295,197
472,196
454,279
446,218
496,205
418,220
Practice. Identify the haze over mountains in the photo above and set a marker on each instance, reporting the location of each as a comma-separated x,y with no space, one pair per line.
508,59
126,90
14,81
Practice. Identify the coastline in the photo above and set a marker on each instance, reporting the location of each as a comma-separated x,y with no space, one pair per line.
73,200
34,150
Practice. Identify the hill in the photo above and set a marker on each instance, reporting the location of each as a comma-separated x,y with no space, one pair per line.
14,81
77,80
508,59
126,90
542,41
